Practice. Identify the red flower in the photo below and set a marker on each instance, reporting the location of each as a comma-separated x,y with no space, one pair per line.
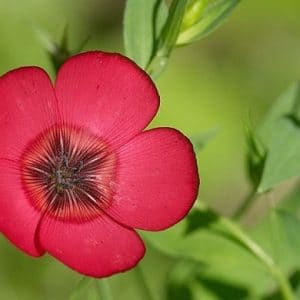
77,172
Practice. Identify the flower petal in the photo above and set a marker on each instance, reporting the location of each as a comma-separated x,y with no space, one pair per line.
18,219
27,106
97,248
157,180
107,93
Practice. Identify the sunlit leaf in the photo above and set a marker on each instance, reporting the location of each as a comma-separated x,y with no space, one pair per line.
214,14
172,27
143,21
167,38
287,104
283,159
213,248
279,235
279,133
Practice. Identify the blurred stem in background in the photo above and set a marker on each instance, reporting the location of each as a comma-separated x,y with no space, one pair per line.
256,154
138,272
103,288
260,254
245,205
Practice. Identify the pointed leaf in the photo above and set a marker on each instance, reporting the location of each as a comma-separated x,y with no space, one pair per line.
287,104
143,21
283,159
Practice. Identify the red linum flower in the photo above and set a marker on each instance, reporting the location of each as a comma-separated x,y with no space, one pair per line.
78,174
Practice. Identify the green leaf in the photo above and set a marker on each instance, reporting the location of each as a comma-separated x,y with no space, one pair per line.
160,15
171,29
143,22
214,14
59,52
167,39
286,105
208,244
256,157
283,159
290,234
279,234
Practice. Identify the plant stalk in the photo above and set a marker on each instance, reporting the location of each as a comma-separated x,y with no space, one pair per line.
143,283
103,289
261,255
245,204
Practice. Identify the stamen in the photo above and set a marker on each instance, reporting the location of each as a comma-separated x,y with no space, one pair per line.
67,172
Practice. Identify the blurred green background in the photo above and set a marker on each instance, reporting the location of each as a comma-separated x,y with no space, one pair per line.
216,83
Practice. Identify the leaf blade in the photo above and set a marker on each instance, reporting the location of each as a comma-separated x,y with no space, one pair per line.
143,21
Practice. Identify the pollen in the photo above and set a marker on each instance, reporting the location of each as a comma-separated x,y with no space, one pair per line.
68,172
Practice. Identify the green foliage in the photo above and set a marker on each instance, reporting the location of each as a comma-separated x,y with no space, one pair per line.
206,19
279,234
143,22
286,105
187,281
283,159
172,28
59,52
167,38
255,156
219,255
280,132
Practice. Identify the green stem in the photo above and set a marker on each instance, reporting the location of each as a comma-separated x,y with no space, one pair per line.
260,254
103,289
142,283
245,204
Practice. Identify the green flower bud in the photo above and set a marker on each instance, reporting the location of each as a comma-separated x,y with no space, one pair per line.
193,13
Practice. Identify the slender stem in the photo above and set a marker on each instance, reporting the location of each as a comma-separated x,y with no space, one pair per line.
143,283
103,289
245,204
260,254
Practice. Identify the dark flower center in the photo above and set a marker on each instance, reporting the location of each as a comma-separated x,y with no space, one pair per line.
68,173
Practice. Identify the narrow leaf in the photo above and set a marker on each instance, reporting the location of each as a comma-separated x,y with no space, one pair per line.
256,157
172,28
143,21
283,159
167,39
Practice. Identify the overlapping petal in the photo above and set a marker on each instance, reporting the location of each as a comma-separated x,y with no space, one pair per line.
18,219
97,248
157,180
107,93
27,107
